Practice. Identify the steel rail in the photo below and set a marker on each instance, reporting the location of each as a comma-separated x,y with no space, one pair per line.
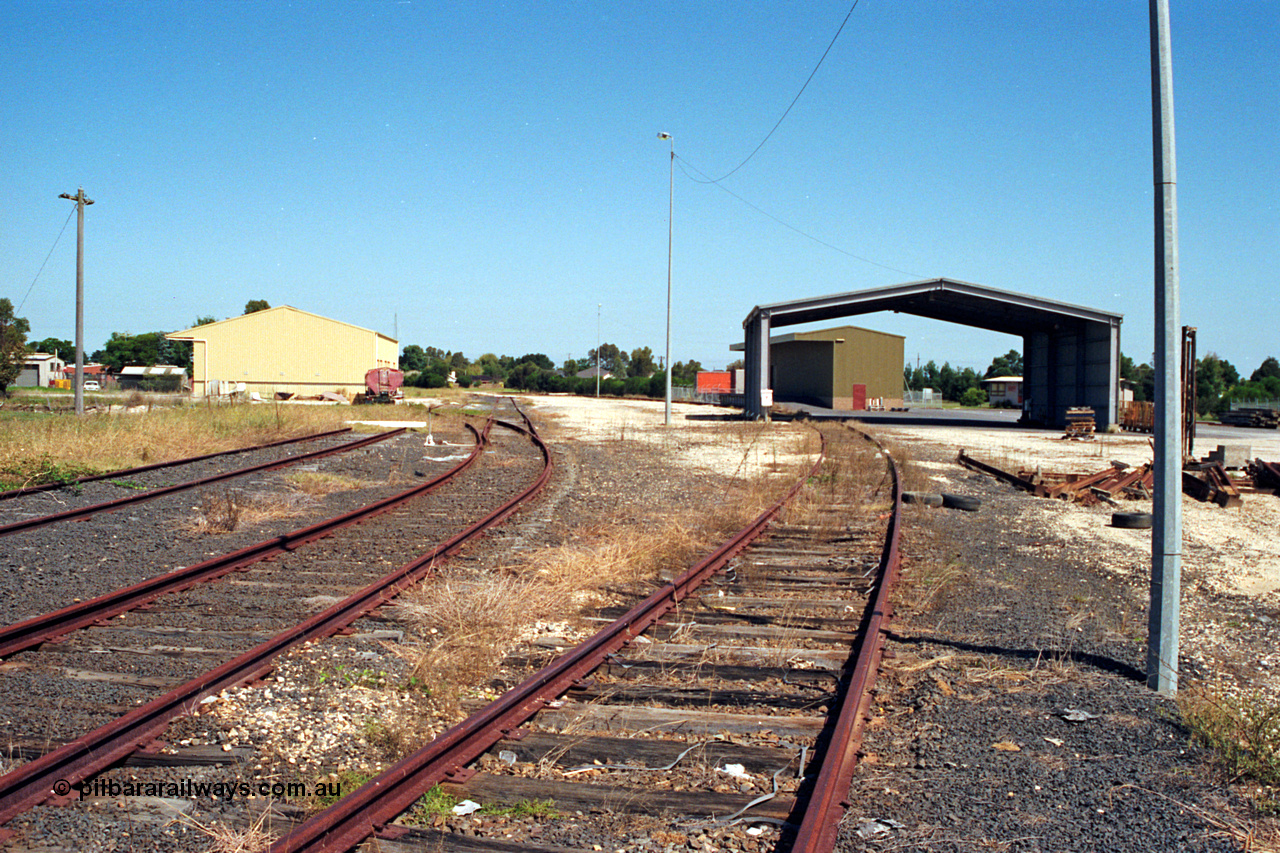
55,774
354,818
820,823
155,466
151,494
32,632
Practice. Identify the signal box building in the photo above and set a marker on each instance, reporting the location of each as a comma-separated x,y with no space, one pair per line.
845,368
284,350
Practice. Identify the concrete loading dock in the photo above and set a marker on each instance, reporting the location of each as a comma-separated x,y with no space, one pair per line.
1071,354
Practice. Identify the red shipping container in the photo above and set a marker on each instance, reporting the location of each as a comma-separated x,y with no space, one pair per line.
714,381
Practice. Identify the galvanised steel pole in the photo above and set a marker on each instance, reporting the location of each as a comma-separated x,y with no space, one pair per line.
1166,540
671,207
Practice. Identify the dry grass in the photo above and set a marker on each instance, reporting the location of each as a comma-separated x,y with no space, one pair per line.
222,838
318,484
104,442
222,511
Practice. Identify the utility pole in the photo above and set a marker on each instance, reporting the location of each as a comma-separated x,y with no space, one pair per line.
80,200
1166,540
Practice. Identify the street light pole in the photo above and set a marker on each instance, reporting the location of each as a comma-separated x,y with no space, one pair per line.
671,206
598,306
80,200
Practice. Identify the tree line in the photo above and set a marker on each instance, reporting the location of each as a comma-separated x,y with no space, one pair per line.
635,372
1218,383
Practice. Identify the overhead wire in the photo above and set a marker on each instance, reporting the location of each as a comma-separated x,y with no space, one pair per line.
684,163
787,112
46,261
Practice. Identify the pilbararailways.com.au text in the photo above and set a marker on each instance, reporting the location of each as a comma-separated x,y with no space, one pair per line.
191,789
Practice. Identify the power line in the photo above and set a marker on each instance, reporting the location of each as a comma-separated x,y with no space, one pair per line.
684,163
46,261
793,100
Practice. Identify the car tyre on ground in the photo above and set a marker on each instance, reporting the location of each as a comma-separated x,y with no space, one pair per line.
926,498
964,502
1131,520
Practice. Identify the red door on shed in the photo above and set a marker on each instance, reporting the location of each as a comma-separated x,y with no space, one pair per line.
859,398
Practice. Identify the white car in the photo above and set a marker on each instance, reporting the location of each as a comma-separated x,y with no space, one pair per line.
92,385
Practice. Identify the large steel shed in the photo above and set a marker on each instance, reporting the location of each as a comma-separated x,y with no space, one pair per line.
1071,354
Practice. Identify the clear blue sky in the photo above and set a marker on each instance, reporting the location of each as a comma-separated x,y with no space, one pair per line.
486,174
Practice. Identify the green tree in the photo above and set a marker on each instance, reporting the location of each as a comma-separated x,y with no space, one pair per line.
1213,379
64,350
412,358
124,349
538,360
736,364
974,397
1269,367
948,381
13,345
489,365
612,358
642,363
685,373
256,305
1009,364
206,320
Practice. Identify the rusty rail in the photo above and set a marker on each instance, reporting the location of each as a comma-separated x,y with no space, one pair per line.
55,774
32,632
155,466
150,495
827,803
354,818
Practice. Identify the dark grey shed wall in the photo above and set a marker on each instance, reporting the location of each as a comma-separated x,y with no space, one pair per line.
1071,353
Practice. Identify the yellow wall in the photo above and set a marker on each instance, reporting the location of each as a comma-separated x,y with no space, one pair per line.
284,349
822,366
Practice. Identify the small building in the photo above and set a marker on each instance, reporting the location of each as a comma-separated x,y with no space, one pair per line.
153,377
590,373
39,370
842,368
1004,391
284,350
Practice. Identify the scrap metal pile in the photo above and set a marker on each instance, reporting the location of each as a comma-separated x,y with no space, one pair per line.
1207,480
1118,480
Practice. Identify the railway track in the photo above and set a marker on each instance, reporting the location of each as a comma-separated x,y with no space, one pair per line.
59,693
145,494
723,710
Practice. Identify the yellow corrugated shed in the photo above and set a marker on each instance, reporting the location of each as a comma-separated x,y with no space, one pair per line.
285,349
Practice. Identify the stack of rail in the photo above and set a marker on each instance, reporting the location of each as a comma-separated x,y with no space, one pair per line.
1080,423
1262,418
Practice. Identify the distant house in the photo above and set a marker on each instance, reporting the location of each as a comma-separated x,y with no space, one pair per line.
1004,390
590,373
39,369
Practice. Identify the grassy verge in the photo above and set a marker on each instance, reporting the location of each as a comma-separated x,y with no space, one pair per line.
1243,732
45,447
